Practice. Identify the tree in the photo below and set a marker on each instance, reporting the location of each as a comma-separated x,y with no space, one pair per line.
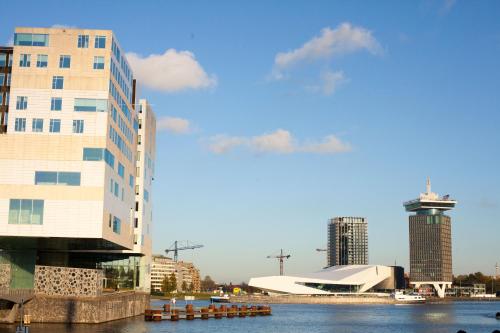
191,287
207,284
166,286
184,286
173,282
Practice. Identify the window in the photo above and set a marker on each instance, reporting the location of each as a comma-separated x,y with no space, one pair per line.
57,178
113,114
2,79
22,103
131,181
117,188
121,170
55,104
123,193
6,98
100,42
65,61
116,225
83,41
25,60
109,158
25,211
57,82
90,105
20,125
31,39
98,62
1,98
111,185
37,125
7,82
3,60
93,154
146,196
42,60
78,126
55,126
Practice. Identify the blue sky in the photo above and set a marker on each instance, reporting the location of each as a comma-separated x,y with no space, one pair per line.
285,114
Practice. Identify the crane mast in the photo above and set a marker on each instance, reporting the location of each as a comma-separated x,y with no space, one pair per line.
280,258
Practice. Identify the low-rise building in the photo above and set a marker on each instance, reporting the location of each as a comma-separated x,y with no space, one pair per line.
185,272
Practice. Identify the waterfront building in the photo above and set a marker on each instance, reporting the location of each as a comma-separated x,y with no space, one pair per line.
430,241
351,279
75,185
347,241
5,78
184,272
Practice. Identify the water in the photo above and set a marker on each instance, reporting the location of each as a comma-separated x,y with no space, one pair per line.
294,318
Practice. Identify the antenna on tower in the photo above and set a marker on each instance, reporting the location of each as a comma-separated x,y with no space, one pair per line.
428,185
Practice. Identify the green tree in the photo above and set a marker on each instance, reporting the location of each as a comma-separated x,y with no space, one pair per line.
184,286
191,287
207,284
173,282
166,285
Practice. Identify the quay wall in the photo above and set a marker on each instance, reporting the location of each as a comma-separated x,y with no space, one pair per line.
87,310
296,299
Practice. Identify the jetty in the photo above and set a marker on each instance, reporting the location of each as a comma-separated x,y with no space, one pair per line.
189,312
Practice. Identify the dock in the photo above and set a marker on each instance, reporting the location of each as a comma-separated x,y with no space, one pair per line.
204,313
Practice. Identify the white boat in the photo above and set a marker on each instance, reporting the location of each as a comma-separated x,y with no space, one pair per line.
220,299
401,297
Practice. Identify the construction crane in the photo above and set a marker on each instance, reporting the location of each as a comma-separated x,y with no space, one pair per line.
179,246
280,258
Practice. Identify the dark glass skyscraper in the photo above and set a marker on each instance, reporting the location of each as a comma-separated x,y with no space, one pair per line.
347,241
430,240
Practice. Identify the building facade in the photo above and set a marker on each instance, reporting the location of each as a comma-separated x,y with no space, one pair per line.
430,241
68,163
185,273
347,241
5,75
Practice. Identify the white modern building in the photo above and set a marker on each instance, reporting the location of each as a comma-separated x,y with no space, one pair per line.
334,280
69,162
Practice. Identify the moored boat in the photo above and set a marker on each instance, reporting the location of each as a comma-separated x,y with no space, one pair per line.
220,299
401,297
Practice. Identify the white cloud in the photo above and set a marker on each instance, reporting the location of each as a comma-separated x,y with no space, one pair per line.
329,82
341,40
173,125
171,71
280,141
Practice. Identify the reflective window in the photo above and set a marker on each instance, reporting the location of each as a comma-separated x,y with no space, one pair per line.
25,60
116,189
131,181
57,82
37,125
78,126
22,103
7,83
42,60
83,41
98,62
109,158
20,125
3,60
57,178
55,104
2,79
146,195
116,225
65,61
25,211
121,170
90,105
100,42
31,39
55,126
93,154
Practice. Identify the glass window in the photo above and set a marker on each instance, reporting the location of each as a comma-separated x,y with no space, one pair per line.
2,79
57,82
7,83
37,125
98,62
1,98
83,41
45,178
42,60
20,125
111,185
116,189
6,98
22,103
55,126
69,178
93,154
25,60
116,225
100,42
90,105
3,60
109,158
25,211
55,104
31,39
121,170
131,181
78,126
65,61
146,195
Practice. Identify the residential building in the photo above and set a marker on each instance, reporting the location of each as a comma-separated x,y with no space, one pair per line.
5,78
347,241
430,240
185,272
69,159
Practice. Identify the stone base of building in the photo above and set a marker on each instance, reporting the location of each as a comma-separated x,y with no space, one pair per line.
86,310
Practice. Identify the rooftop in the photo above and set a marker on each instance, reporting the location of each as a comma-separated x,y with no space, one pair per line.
430,200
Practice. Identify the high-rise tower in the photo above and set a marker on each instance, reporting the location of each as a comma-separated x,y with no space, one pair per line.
430,240
347,241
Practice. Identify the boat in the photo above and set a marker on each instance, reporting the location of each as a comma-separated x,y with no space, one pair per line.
401,297
220,299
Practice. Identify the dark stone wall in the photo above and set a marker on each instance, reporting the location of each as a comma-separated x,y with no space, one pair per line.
108,307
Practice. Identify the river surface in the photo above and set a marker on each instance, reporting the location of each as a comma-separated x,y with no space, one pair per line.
291,318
